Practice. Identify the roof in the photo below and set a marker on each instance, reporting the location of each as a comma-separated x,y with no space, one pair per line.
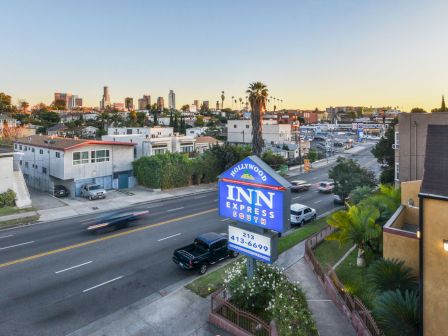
57,127
435,177
210,237
207,139
64,143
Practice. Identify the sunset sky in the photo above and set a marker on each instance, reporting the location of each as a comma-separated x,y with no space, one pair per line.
310,53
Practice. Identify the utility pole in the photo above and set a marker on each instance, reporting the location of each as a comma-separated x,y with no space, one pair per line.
300,147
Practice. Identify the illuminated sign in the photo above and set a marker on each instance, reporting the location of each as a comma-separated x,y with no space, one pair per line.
259,246
251,192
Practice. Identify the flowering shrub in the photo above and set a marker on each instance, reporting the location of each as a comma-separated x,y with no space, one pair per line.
271,296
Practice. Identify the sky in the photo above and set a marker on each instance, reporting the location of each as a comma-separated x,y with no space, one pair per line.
310,53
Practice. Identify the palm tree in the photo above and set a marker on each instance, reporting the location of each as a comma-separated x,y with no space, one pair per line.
258,93
241,103
24,105
391,274
356,225
232,101
387,201
359,194
397,313
222,99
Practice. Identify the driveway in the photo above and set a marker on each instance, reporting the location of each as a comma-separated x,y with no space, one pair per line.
44,201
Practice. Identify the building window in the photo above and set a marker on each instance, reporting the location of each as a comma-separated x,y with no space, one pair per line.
234,126
129,131
20,162
41,151
44,170
187,149
25,148
57,154
20,147
397,171
80,158
247,126
101,155
26,164
15,146
32,149
159,150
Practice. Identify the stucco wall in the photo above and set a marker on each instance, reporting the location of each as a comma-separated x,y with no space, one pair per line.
403,248
409,190
435,261
6,173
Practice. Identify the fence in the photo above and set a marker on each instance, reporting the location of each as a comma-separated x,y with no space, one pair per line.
330,281
244,320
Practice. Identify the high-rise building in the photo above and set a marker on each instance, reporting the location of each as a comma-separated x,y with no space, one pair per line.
105,102
70,101
206,104
196,102
171,100
144,103
160,103
129,103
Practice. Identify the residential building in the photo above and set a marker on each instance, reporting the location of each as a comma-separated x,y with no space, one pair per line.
129,103
171,100
417,232
240,131
47,161
160,103
410,143
144,102
7,122
204,143
11,178
105,101
118,106
196,131
152,140
58,130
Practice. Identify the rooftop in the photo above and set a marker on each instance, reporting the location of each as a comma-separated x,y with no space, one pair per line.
207,139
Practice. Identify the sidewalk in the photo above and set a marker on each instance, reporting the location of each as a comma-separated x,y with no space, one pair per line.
117,200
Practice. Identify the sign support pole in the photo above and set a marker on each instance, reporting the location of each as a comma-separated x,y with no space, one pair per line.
252,262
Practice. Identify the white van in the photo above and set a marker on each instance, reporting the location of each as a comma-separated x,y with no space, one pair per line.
301,213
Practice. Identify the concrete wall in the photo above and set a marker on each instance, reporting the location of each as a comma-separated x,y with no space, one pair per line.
410,190
6,173
240,131
396,246
435,270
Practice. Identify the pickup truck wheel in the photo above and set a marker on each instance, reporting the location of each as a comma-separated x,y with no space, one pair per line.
234,254
203,269
302,223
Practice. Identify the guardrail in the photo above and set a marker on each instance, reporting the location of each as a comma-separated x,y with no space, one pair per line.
361,318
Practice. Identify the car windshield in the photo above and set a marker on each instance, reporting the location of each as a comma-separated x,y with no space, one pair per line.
323,184
94,187
295,213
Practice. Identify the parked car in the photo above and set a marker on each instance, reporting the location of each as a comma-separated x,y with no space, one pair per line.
114,220
326,186
208,248
300,214
300,186
339,201
93,191
60,191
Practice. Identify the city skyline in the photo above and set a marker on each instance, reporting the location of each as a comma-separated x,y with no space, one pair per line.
312,53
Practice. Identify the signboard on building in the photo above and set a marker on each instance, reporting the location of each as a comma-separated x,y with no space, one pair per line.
259,246
307,165
253,193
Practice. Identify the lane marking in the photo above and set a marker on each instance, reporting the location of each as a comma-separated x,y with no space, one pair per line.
6,236
197,197
174,235
175,209
215,200
102,284
296,197
225,220
94,241
318,201
8,247
67,269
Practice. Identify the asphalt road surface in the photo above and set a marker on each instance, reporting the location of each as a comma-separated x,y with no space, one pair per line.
56,278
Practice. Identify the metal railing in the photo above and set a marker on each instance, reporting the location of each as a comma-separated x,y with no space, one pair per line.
244,320
353,303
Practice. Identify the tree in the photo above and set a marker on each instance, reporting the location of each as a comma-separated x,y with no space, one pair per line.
59,104
199,122
391,274
24,106
385,154
398,313
5,102
141,118
156,122
133,116
183,126
356,225
222,99
360,193
273,160
185,108
348,174
176,123
258,94
386,201
418,110
171,120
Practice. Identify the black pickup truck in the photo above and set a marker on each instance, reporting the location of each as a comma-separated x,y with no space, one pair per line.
207,248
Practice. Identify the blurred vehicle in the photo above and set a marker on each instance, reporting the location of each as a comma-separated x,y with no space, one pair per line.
115,220
339,201
208,248
326,186
338,144
301,213
93,191
60,191
300,186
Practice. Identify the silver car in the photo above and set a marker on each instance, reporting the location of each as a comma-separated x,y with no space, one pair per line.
93,191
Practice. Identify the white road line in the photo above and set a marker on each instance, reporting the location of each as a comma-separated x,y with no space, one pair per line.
102,284
225,220
197,197
7,247
318,201
174,235
296,197
215,200
67,269
175,209
6,236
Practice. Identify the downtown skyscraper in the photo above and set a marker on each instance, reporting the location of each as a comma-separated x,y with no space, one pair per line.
171,100
105,101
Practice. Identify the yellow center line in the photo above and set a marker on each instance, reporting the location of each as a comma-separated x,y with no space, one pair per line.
94,241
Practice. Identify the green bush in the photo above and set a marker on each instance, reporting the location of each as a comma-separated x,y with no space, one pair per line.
387,274
7,198
271,296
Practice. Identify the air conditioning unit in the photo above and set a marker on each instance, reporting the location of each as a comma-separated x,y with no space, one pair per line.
395,146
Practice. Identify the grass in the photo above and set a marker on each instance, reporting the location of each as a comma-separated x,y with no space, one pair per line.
210,282
329,252
355,280
8,210
23,220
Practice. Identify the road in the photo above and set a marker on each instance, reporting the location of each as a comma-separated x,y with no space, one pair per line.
56,278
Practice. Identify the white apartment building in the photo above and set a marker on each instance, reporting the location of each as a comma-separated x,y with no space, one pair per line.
196,131
152,140
48,161
240,131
